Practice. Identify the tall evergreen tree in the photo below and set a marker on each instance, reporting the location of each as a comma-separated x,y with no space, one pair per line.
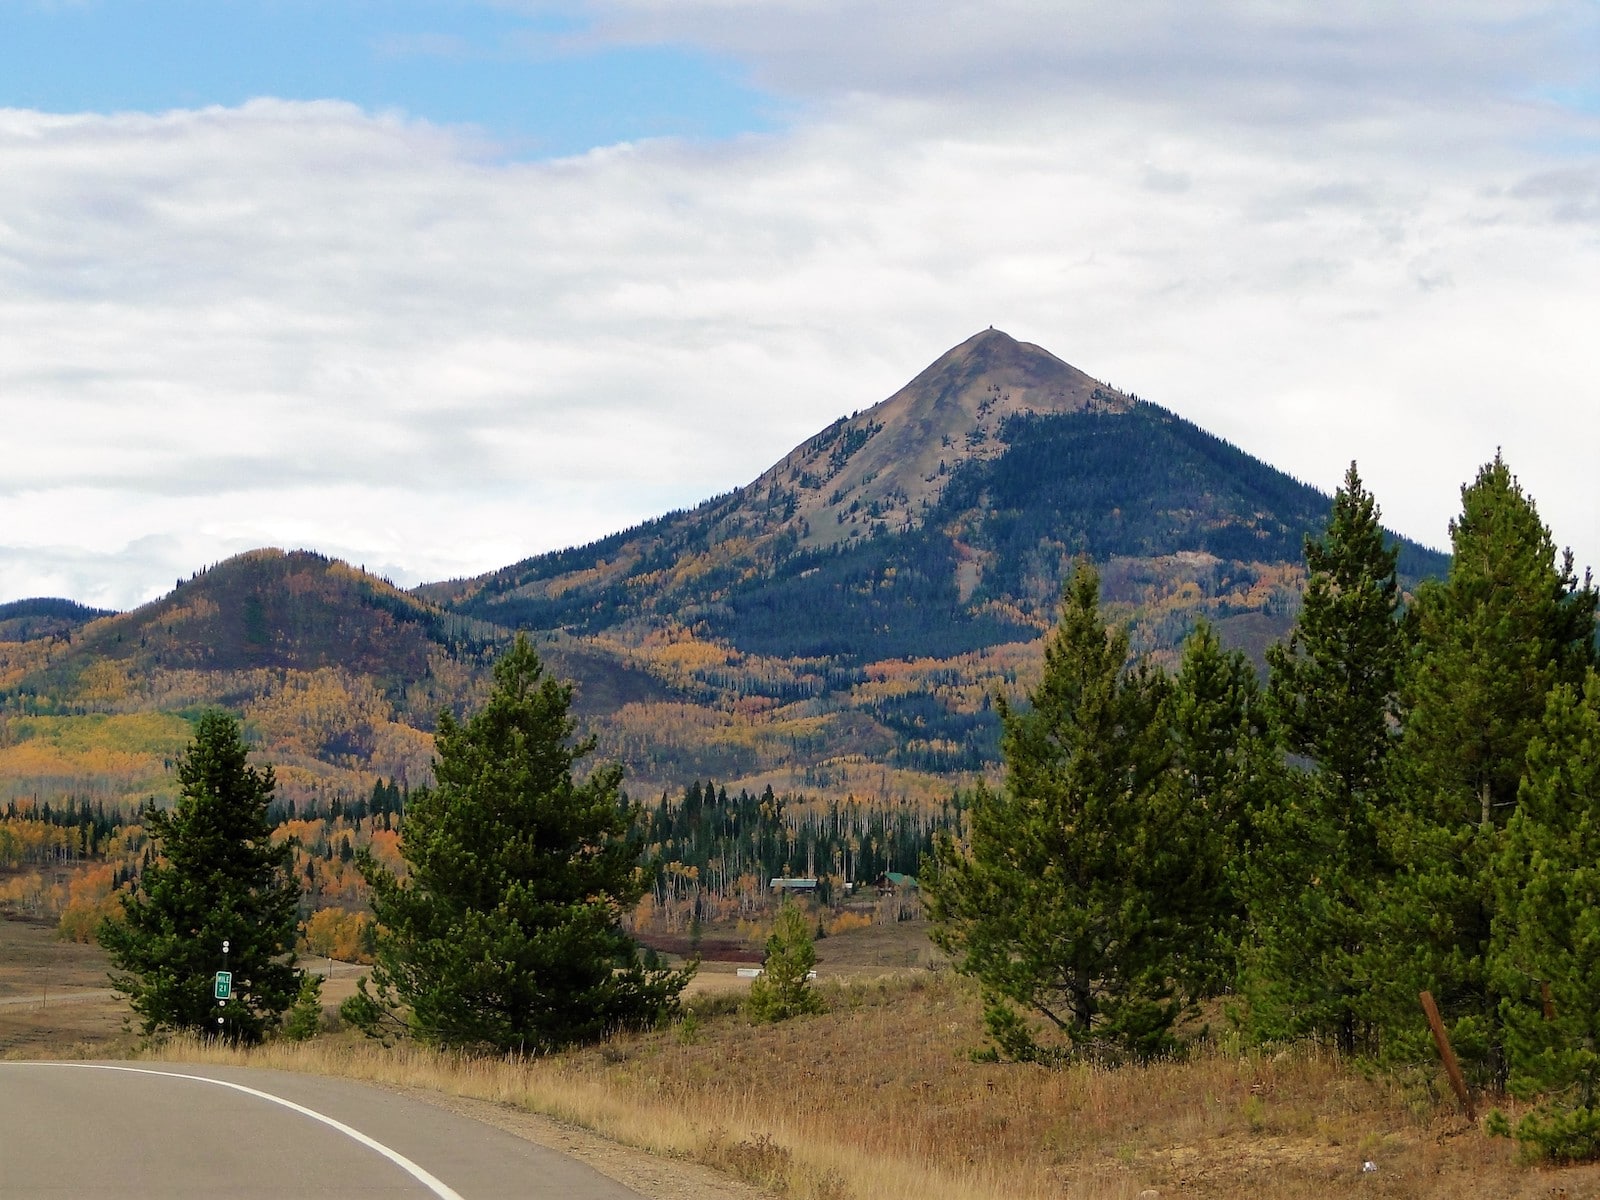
1067,907
1331,688
1491,643
505,932
1545,952
1332,684
1508,626
219,878
1222,763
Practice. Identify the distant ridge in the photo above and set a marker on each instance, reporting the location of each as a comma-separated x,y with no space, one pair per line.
44,616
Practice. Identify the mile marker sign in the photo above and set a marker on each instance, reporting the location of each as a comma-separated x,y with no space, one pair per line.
224,984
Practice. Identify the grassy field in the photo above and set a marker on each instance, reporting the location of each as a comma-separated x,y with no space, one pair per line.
53,997
880,1098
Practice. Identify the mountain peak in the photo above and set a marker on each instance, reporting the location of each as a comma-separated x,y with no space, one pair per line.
885,466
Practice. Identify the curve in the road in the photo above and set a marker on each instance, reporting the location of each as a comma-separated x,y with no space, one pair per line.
438,1187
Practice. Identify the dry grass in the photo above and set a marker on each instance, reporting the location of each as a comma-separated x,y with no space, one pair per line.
53,997
880,1098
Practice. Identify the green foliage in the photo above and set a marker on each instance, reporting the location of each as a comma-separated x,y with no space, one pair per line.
1070,907
505,934
304,1019
724,838
1546,927
1332,683
1331,691
1560,1135
782,990
219,878
1507,627
1221,761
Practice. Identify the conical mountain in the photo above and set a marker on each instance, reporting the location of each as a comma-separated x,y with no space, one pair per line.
940,521
897,456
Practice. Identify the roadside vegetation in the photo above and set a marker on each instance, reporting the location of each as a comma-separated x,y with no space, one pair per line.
882,1097
1190,928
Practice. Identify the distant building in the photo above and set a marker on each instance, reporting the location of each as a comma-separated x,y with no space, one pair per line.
793,885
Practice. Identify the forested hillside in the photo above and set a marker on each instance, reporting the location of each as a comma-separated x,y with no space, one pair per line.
1014,493
837,629
25,620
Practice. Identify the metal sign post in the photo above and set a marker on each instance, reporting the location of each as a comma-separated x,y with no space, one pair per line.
222,987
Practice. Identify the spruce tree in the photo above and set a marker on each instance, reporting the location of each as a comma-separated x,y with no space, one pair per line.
218,878
1331,692
1332,684
1222,761
783,990
1507,627
1068,906
505,932
1545,952
1490,644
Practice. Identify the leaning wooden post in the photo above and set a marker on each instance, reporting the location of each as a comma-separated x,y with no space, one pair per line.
1451,1067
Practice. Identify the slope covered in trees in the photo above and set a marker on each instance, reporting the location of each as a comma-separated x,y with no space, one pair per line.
837,627
45,617
979,565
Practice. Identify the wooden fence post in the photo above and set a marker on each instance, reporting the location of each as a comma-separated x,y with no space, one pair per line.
1451,1067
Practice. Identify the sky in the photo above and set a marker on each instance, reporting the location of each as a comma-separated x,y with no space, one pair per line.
432,287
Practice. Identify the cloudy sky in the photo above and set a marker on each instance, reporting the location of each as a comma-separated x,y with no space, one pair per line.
434,286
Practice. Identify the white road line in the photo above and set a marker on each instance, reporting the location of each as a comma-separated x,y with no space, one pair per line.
438,1187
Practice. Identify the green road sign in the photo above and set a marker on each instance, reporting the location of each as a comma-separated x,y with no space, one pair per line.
224,984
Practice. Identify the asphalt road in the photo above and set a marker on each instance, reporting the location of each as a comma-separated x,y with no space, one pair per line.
170,1132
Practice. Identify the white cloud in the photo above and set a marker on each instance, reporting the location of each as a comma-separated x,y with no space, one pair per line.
301,324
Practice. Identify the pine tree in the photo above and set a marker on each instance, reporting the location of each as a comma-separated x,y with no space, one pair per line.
1545,951
782,989
505,932
218,878
1507,627
1332,684
1331,692
1067,908
1490,644
304,1019
1222,762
